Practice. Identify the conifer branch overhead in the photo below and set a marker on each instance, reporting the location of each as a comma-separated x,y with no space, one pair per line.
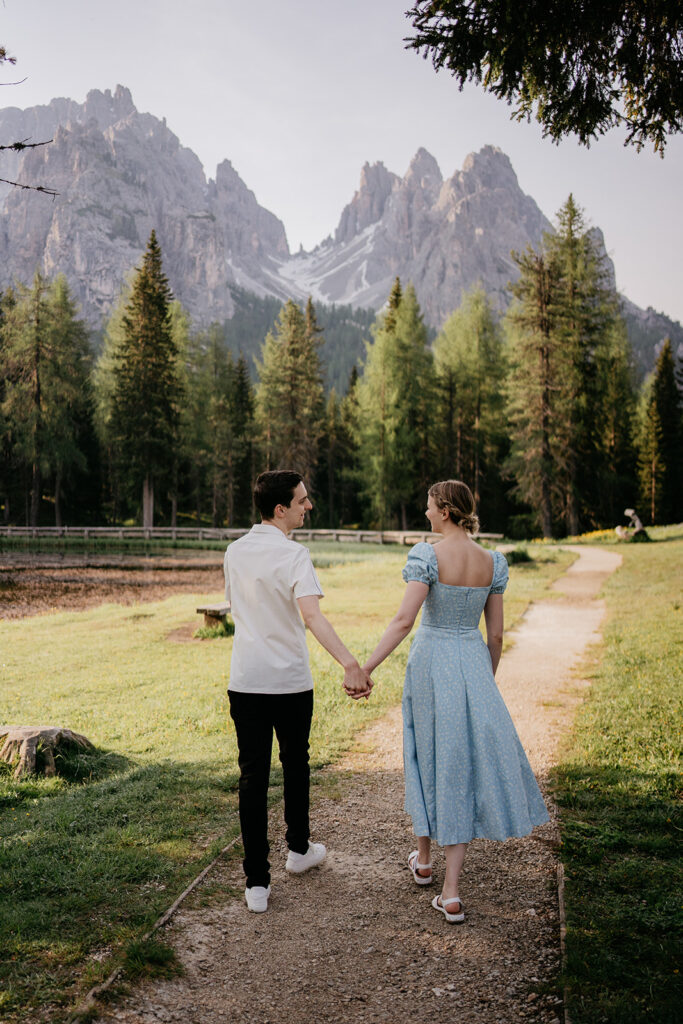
577,68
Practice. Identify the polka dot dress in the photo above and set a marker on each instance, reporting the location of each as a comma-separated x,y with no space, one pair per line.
466,773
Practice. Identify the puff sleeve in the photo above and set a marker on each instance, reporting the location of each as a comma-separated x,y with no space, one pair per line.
421,565
500,573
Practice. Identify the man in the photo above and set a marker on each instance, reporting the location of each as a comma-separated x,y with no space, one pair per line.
272,585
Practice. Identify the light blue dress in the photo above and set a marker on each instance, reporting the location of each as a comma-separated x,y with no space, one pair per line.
466,773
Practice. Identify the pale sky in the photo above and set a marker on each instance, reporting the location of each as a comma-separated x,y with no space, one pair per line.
299,94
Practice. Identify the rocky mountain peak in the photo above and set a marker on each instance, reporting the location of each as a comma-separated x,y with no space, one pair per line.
424,172
444,236
367,205
107,109
490,168
120,173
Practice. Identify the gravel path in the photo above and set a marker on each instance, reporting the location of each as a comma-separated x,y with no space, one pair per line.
355,940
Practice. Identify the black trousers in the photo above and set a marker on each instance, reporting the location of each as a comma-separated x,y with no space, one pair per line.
256,717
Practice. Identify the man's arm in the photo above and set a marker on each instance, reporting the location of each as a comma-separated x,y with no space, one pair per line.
357,683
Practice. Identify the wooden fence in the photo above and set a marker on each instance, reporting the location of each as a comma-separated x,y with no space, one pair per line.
181,533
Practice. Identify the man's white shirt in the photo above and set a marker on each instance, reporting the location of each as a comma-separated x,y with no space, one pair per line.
265,574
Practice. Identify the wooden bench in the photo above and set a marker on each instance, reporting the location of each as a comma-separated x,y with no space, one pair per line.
214,613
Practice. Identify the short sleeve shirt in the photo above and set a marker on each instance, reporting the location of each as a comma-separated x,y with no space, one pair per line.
265,574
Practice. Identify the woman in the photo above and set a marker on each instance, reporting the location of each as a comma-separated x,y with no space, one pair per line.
466,774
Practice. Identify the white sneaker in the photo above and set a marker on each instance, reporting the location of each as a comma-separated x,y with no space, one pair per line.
257,898
298,862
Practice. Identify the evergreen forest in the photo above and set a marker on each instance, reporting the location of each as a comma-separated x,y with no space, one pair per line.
157,422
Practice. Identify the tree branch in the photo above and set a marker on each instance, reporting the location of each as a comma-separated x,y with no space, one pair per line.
35,188
25,144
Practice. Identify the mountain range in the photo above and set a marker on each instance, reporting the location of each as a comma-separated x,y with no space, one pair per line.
119,173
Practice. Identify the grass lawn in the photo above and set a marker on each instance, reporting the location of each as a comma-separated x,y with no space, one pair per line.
619,789
88,864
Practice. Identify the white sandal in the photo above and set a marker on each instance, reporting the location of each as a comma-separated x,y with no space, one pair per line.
440,904
415,866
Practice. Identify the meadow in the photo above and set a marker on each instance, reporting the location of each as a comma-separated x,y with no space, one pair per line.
619,789
90,859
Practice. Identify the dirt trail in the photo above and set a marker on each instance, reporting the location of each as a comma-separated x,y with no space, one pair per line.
355,940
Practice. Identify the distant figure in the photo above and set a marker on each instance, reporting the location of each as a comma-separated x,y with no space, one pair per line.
273,589
634,518
466,773
635,531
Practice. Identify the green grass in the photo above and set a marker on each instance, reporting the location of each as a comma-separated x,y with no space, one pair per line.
599,537
88,862
619,790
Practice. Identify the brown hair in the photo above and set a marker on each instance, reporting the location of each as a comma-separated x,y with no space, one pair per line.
275,487
457,499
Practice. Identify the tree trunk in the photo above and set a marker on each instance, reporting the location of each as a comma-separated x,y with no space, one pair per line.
458,450
7,512
214,501
450,432
25,746
148,503
477,418
174,497
36,487
58,498
546,460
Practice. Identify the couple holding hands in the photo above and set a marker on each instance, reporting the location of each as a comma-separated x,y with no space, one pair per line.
466,773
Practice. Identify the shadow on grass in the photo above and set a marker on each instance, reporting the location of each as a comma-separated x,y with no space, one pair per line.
90,866
621,850
74,766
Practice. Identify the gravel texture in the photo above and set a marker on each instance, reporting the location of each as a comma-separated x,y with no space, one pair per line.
355,940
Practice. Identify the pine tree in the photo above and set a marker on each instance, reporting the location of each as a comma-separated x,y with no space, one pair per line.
349,478
289,394
651,468
45,367
147,388
470,369
395,413
181,336
242,420
26,327
8,467
104,387
660,462
570,391
326,510
220,370
535,457
614,483
585,314
68,394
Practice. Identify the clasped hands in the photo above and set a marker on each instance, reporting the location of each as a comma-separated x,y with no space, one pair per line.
357,682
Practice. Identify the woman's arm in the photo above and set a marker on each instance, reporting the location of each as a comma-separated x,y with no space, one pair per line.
493,616
400,625
356,682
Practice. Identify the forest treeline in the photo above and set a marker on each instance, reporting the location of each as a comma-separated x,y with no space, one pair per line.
538,411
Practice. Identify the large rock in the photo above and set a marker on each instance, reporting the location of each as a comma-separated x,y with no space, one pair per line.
25,745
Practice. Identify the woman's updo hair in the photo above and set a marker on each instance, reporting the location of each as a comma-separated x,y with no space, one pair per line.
457,499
